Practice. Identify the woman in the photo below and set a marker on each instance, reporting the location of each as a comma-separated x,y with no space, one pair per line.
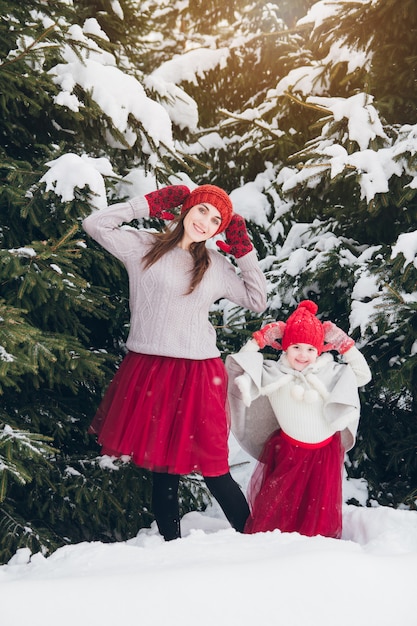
166,406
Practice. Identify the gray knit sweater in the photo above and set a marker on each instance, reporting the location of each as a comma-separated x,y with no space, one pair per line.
164,320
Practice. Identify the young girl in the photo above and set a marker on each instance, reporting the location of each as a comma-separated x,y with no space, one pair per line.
306,406
166,405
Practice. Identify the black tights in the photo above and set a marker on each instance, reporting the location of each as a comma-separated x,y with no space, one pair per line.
166,508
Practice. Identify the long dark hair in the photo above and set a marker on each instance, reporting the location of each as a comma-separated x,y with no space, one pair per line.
168,239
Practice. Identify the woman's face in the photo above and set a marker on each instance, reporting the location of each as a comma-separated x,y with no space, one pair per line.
201,222
300,355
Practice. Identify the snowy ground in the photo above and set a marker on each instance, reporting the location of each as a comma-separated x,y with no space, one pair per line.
214,576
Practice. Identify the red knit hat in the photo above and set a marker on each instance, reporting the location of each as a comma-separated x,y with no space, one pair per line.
212,195
303,327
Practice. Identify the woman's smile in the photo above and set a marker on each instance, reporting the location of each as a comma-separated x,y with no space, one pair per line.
201,223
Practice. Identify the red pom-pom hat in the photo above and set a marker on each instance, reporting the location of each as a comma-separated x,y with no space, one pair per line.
303,327
212,195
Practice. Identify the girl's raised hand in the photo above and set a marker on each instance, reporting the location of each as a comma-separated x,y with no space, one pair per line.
269,335
337,338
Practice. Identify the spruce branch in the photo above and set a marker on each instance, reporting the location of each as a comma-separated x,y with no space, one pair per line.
250,122
29,48
308,105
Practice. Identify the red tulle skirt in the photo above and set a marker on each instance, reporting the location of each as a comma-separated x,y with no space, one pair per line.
167,414
297,489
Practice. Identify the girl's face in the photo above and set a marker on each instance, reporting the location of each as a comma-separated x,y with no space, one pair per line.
300,355
201,222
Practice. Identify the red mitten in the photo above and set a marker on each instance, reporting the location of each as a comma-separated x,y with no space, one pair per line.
269,334
337,338
166,198
237,239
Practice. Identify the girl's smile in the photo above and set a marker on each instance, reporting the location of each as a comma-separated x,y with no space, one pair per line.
300,355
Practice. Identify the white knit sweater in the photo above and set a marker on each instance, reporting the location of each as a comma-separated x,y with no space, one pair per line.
309,406
164,320
300,399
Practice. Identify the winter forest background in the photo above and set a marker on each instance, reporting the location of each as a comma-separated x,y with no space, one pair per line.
304,112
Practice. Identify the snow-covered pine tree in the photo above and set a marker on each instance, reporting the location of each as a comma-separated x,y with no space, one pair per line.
357,177
63,304
267,90
319,115
350,234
